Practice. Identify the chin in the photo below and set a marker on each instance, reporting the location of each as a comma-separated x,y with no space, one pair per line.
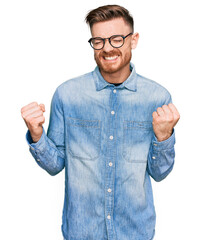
111,69
108,68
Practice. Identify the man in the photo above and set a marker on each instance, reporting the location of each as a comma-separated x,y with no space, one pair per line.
111,129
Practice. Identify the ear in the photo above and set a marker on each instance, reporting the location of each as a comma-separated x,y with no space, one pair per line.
134,40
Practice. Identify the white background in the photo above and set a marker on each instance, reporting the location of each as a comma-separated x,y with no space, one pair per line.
43,43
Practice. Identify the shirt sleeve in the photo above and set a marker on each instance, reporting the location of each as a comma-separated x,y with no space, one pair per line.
49,151
161,157
161,154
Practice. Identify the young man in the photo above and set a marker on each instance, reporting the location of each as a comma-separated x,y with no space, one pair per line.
111,129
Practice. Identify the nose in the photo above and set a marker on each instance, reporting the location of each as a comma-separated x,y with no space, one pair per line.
107,47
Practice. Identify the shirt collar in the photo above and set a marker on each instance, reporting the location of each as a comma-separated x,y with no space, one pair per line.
130,83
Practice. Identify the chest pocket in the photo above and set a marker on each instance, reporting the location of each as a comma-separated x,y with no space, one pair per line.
137,137
83,138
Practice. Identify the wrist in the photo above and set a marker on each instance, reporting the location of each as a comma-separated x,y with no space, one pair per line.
35,138
163,137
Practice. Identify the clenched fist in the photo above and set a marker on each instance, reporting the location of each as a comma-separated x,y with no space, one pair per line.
164,120
34,119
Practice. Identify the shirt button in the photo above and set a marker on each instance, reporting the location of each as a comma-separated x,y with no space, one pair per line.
111,137
155,144
108,217
109,190
110,164
112,112
38,159
153,157
114,91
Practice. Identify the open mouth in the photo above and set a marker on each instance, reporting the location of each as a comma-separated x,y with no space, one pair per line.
113,58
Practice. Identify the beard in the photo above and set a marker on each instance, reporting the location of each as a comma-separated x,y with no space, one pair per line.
112,67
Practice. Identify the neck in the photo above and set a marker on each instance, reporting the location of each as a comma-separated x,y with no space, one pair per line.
117,77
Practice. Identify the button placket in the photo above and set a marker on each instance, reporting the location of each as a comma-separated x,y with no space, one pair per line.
109,183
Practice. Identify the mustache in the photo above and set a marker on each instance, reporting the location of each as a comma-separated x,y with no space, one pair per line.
114,52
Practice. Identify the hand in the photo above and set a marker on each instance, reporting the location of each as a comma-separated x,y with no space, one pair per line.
34,119
164,120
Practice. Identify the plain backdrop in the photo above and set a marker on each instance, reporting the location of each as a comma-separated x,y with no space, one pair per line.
44,43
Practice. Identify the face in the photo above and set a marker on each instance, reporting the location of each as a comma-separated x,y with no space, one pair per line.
111,60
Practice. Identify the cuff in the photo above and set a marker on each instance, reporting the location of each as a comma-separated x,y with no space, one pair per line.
38,146
164,145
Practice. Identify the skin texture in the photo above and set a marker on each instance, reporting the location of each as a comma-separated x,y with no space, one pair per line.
113,71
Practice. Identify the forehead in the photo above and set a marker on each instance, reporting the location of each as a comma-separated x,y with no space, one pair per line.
111,27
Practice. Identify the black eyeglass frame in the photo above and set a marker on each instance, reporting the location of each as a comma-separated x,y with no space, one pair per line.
109,39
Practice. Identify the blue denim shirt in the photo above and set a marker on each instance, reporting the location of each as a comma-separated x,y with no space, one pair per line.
102,134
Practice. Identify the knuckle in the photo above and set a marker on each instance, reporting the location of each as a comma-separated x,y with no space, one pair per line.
154,114
41,112
170,118
162,119
34,103
22,110
28,117
157,120
32,121
155,117
37,108
178,116
22,114
159,110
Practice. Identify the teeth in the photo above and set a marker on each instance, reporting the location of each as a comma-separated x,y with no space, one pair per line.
111,58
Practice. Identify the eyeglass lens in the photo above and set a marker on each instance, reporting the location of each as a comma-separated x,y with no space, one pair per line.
115,41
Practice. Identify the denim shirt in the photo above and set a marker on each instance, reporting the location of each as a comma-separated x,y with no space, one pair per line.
102,135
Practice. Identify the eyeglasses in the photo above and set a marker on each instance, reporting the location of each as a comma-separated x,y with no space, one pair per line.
115,41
